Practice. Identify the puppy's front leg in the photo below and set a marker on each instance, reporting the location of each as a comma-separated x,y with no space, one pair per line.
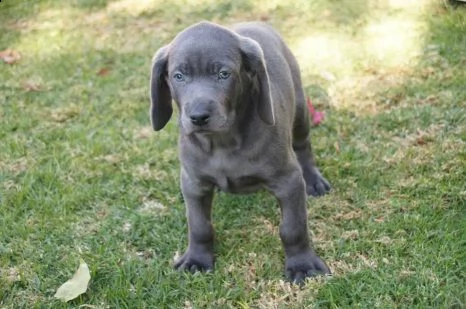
198,199
300,259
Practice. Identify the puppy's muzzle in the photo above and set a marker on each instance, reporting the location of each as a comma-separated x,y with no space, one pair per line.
200,119
200,115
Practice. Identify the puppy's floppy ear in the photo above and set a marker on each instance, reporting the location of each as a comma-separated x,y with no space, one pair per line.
254,61
160,96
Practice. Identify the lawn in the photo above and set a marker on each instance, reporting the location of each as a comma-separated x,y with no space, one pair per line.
82,174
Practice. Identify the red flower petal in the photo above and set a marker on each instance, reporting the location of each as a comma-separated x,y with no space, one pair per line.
316,116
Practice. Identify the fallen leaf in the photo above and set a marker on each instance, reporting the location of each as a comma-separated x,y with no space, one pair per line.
9,56
76,285
264,17
103,71
421,141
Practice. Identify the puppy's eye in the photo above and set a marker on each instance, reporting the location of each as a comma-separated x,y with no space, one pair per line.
178,77
224,74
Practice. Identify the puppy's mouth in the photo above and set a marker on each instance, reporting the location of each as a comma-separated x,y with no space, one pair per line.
202,131
207,130
213,127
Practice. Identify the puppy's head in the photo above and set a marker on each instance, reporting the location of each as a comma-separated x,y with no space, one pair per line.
205,70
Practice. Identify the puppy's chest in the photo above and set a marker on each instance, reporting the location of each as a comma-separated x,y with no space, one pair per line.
233,173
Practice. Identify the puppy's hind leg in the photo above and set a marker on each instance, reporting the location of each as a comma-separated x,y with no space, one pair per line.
316,184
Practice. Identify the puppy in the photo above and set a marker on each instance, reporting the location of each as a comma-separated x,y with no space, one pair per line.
244,125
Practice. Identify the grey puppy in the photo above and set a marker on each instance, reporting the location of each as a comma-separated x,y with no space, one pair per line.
244,125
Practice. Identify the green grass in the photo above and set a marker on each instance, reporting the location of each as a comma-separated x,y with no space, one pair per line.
83,176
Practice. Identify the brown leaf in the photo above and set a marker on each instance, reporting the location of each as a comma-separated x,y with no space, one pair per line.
264,17
9,56
103,71
421,141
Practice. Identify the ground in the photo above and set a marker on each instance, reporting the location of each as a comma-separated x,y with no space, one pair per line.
82,175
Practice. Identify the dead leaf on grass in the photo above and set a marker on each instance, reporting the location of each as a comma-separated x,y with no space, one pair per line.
76,286
421,141
103,71
9,56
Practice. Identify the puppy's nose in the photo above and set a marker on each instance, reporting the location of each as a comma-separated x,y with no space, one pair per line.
200,119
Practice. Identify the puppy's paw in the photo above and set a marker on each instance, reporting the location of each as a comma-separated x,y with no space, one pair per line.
302,266
195,261
316,184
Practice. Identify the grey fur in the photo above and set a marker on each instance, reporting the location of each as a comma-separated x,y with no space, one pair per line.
244,125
